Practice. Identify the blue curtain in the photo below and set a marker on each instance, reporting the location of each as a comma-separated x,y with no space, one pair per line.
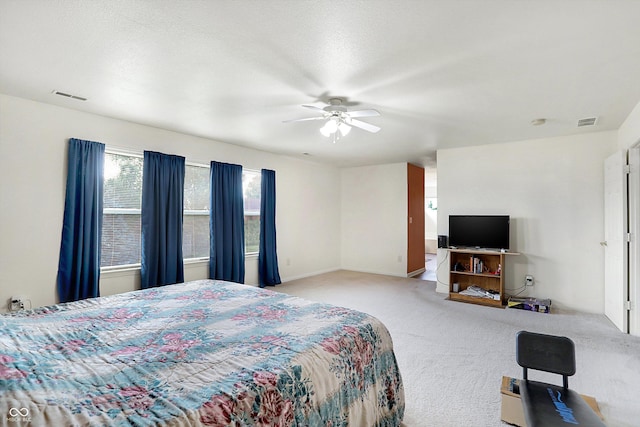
226,223
79,264
161,216
267,257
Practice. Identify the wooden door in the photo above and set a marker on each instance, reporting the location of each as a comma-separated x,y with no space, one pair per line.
415,220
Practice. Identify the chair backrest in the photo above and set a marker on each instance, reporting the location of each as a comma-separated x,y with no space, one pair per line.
549,353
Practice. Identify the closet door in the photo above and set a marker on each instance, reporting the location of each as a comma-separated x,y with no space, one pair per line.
615,243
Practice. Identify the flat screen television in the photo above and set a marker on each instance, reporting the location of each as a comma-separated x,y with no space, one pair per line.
479,231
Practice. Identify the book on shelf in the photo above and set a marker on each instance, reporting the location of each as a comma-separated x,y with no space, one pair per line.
476,265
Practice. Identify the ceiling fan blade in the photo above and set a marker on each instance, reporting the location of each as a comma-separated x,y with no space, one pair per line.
364,126
363,113
314,107
304,119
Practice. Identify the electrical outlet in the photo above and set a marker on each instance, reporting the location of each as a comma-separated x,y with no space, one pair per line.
528,280
16,303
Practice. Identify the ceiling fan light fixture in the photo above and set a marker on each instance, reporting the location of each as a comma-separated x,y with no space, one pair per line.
330,127
339,121
344,128
325,131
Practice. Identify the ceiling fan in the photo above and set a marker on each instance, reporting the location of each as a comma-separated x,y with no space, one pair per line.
339,120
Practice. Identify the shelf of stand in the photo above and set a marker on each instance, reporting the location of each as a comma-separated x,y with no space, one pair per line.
489,279
453,296
469,273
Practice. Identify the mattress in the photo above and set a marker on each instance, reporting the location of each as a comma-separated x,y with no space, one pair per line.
206,352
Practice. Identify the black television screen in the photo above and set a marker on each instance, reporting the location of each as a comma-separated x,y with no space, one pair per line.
479,231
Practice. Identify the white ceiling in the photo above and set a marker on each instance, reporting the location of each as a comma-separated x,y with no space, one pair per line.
442,73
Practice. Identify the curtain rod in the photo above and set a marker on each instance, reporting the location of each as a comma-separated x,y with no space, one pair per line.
115,149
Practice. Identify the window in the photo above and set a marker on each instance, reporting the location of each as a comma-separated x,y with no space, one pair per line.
121,229
195,235
196,211
121,214
251,192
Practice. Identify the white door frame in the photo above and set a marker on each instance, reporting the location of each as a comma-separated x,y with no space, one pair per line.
634,244
616,284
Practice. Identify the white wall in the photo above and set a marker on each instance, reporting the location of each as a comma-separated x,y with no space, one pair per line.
33,149
553,190
374,219
629,132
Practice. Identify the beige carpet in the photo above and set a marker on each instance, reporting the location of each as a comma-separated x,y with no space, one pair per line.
453,355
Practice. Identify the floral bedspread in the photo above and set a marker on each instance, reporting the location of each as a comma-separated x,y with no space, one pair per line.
207,353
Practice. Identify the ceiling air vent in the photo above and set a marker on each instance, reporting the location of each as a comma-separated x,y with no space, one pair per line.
589,121
80,98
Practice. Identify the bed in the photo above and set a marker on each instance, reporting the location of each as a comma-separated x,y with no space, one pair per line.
207,352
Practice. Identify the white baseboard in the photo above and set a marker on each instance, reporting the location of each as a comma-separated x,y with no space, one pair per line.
417,272
315,273
381,273
329,270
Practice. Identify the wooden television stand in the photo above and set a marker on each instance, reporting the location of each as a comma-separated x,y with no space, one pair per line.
480,267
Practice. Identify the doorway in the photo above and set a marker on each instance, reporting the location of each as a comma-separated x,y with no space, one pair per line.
621,246
430,224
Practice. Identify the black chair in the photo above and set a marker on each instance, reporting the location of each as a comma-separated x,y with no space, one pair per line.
546,404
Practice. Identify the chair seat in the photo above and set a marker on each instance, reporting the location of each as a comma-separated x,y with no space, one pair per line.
549,405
